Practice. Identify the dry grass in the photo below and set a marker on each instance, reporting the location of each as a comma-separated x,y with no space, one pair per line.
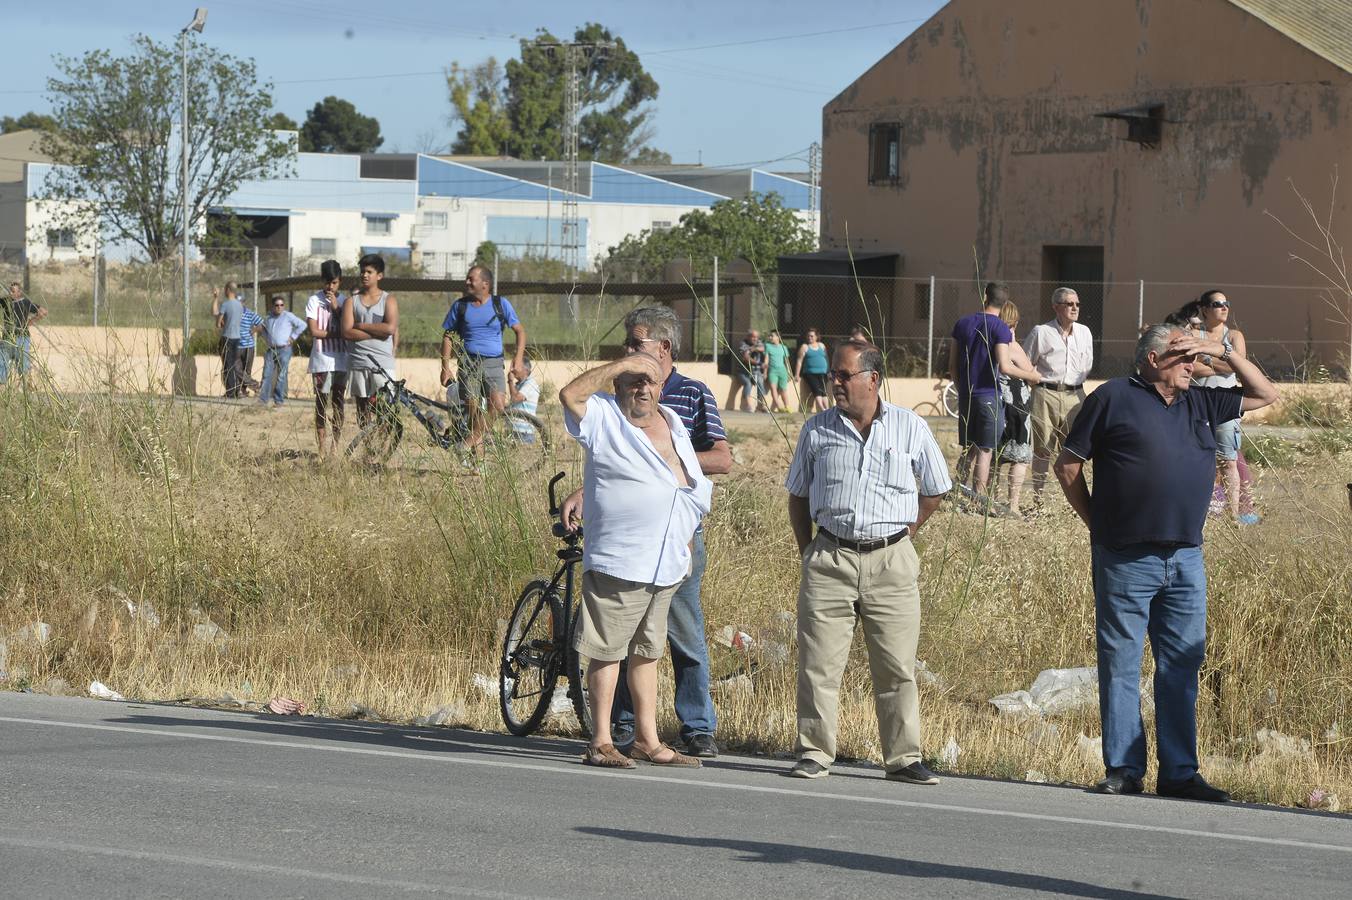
382,592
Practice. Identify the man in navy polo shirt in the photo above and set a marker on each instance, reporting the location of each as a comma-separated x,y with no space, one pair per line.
656,330
1151,439
478,319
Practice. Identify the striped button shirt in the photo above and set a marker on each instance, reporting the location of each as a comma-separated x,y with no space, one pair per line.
860,489
694,403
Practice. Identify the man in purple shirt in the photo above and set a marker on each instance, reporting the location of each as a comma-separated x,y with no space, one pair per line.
977,356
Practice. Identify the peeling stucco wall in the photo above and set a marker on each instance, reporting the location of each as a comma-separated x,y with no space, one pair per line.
1002,153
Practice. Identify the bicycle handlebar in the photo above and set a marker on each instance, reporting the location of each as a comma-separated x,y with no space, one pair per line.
554,504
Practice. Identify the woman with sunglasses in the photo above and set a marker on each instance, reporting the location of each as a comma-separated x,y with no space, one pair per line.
1213,309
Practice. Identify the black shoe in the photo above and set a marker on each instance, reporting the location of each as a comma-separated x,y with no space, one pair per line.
808,768
1195,788
1119,783
701,746
915,773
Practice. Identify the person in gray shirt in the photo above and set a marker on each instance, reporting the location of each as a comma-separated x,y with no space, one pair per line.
229,316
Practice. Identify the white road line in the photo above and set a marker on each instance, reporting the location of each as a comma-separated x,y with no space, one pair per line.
584,772
233,865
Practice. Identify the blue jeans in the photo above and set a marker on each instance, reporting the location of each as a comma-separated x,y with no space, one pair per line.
1160,591
276,363
689,661
14,354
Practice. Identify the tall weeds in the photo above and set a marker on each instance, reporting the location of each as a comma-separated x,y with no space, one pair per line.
382,590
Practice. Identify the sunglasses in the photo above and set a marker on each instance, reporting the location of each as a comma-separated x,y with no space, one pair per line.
1069,305
637,343
1219,304
840,376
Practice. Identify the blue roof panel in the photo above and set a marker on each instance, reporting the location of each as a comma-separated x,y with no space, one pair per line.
614,185
793,193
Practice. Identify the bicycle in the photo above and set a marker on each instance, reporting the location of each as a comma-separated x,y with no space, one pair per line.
945,404
524,435
538,646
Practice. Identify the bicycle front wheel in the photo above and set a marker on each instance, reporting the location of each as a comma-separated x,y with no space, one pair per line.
530,660
950,400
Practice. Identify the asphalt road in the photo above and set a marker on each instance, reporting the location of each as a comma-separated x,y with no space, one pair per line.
141,800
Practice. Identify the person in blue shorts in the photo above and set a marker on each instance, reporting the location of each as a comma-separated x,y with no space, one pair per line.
472,330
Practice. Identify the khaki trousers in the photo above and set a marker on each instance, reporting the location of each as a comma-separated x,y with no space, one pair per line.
1052,415
879,588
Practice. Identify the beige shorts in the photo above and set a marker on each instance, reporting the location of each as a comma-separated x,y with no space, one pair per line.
621,618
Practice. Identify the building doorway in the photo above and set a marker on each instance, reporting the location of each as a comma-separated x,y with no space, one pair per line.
1081,269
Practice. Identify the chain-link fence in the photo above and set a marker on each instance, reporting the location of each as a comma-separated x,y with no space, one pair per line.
1294,331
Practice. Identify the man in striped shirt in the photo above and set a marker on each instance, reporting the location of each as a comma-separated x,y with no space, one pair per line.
868,474
655,330
249,325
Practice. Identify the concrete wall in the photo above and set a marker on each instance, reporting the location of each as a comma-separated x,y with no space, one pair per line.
146,360
1002,155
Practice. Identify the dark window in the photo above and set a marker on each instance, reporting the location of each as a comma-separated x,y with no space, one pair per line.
884,153
922,302
63,238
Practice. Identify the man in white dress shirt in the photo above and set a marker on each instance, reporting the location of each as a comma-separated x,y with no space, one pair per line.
868,474
645,495
1062,351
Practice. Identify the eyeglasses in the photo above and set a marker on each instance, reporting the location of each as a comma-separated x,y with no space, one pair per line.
1069,305
840,376
1219,304
637,343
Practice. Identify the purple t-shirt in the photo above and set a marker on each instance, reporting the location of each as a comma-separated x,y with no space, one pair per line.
977,336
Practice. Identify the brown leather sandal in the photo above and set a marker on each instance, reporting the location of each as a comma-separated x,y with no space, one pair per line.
676,759
606,757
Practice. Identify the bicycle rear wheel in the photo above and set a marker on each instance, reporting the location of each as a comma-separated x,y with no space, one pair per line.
530,659
577,677
381,436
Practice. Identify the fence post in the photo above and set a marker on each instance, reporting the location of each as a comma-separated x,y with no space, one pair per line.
495,273
255,274
714,347
96,283
1140,305
929,349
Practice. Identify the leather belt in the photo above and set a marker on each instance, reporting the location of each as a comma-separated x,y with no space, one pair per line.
865,546
1059,387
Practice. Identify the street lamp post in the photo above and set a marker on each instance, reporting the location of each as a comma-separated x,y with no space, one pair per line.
199,21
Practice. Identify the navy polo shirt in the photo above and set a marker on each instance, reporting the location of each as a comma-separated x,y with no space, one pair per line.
1154,463
694,403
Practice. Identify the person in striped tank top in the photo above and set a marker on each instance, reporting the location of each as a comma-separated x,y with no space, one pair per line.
328,356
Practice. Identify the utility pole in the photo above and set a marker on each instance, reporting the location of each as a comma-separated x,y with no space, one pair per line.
814,169
570,226
199,21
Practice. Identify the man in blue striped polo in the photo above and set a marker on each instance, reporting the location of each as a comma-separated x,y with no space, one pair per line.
868,474
656,330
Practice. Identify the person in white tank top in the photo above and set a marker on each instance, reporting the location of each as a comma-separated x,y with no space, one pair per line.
1213,308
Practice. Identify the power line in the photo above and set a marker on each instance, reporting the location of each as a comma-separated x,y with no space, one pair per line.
784,37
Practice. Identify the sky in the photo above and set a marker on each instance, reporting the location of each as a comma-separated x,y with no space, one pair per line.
740,82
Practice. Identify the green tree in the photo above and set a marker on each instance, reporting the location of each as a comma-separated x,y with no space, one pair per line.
117,140
280,121
518,110
29,120
757,228
335,126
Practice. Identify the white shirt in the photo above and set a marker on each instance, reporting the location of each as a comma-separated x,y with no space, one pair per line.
1058,360
863,490
529,389
328,354
639,519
